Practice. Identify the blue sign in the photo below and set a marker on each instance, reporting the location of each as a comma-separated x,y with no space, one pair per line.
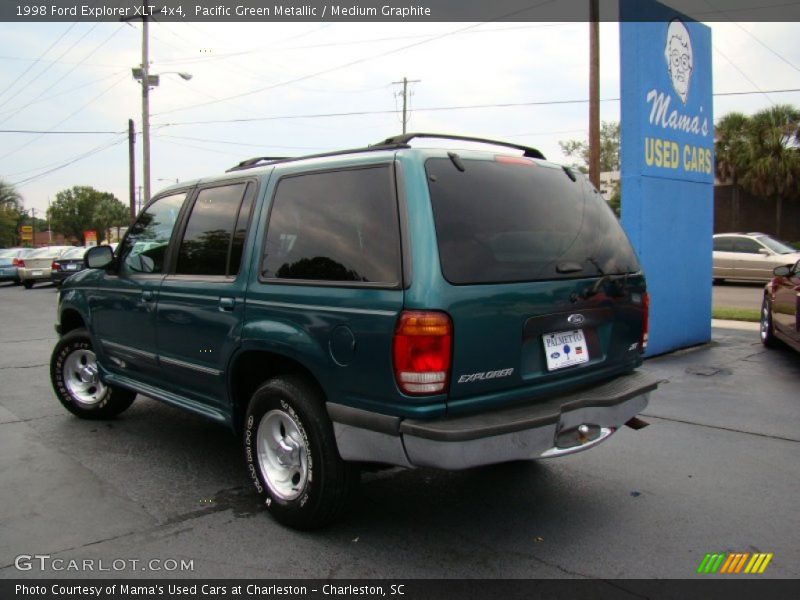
667,166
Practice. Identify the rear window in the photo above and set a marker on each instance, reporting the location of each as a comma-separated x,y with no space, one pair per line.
502,222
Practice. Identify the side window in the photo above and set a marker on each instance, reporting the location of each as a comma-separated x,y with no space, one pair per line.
145,246
746,245
213,241
723,245
334,226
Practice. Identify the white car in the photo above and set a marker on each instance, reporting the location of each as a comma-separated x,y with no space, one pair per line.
750,256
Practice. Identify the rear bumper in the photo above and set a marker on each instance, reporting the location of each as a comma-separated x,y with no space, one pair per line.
553,427
33,274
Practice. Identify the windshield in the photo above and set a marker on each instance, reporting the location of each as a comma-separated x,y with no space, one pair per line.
776,245
500,222
74,253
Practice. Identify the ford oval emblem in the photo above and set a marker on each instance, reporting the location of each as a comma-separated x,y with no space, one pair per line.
555,355
575,319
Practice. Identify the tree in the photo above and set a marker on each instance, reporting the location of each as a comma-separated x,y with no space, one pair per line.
10,213
774,158
84,208
731,153
609,149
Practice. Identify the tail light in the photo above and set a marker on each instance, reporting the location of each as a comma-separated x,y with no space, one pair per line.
18,262
54,266
645,321
421,352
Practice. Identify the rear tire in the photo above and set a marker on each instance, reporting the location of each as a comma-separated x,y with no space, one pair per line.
76,381
28,284
291,455
767,332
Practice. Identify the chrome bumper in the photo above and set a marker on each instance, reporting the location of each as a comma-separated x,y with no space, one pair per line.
543,429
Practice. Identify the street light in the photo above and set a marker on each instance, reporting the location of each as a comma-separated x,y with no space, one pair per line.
148,80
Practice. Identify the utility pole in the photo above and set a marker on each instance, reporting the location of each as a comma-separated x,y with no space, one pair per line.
145,111
33,226
594,93
132,169
405,83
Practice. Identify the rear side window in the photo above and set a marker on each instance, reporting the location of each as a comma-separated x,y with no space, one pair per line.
338,226
746,246
214,237
499,222
723,244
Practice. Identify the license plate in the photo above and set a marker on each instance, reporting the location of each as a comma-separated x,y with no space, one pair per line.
565,349
37,273
72,267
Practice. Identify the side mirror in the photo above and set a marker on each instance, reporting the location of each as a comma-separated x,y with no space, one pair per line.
764,251
98,257
782,271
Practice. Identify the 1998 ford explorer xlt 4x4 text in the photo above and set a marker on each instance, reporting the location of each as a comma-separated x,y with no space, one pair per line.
390,304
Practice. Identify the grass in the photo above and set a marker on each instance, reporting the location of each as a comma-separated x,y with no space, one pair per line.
736,314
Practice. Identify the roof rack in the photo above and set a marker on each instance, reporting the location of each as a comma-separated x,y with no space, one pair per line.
261,161
407,137
392,143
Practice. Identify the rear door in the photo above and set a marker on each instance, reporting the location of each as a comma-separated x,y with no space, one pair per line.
545,289
201,301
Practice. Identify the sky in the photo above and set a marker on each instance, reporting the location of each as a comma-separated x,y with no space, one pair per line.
294,82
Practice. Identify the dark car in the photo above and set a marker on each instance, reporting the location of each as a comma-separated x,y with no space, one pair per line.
781,306
395,305
67,264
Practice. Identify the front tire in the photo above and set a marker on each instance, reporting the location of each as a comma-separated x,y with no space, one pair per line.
28,284
767,332
291,454
77,383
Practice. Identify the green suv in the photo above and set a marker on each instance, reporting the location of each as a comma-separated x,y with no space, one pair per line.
393,305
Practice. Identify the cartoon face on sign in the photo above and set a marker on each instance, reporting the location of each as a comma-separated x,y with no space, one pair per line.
678,52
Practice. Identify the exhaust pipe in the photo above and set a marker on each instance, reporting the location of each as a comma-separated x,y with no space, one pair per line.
636,423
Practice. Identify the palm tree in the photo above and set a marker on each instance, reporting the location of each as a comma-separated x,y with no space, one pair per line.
9,196
774,171
731,154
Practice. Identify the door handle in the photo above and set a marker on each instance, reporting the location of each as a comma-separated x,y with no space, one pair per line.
227,303
148,296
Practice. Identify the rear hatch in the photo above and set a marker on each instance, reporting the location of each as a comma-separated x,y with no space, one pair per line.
545,294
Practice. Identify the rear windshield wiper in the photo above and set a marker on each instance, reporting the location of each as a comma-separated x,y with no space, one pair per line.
456,160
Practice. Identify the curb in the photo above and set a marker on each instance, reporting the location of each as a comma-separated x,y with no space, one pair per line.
740,325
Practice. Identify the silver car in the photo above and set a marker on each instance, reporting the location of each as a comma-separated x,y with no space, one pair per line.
36,266
750,256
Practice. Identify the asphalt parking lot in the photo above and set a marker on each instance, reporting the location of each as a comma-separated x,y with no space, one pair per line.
717,470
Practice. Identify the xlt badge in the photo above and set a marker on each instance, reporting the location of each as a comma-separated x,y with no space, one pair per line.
485,375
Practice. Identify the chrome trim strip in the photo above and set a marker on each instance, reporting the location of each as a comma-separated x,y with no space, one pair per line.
121,348
187,365
336,309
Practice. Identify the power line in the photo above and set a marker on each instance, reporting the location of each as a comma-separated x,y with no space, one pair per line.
354,62
92,152
47,68
49,132
35,62
44,91
435,109
68,117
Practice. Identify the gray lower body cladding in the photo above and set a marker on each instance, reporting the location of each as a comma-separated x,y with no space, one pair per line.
552,427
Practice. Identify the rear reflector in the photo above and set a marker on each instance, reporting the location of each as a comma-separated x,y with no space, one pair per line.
18,262
421,352
645,321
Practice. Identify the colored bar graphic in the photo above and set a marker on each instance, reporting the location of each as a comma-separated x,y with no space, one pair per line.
733,563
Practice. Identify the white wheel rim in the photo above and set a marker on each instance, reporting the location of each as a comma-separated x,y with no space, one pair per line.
82,379
282,454
764,321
